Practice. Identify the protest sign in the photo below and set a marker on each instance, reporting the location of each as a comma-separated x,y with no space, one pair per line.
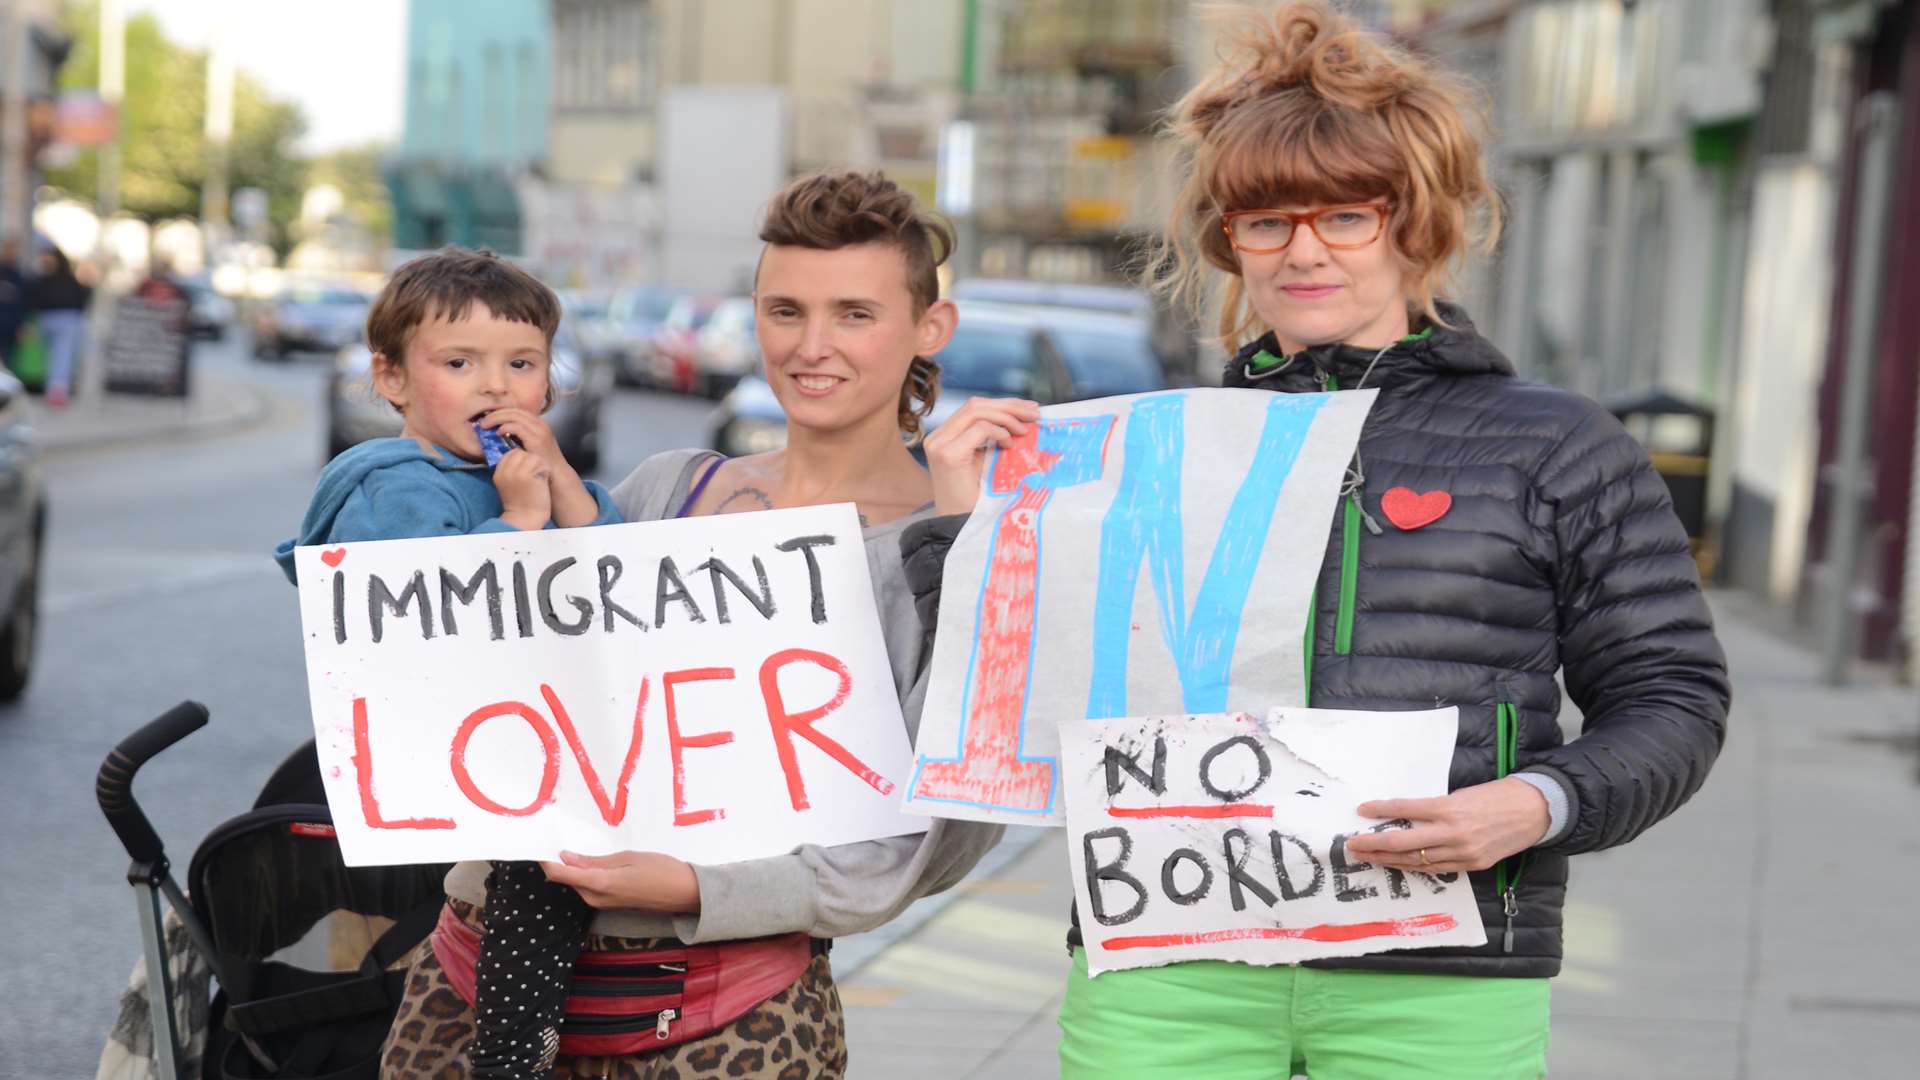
147,346
715,688
1116,554
1221,837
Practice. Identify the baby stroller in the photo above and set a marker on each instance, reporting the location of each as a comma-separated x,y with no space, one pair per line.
303,948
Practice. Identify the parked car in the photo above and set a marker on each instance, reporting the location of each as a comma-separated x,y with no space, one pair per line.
1173,337
1105,355
23,527
1047,355
311,318
356,412
210,314
725,350
675,360
626,335
587,310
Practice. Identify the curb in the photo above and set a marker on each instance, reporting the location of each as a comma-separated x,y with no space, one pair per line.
854,953
223,407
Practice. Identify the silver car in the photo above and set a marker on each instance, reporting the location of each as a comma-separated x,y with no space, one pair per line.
311,318
23,527
356,412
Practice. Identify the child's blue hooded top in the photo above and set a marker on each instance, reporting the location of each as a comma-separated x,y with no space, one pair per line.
391,489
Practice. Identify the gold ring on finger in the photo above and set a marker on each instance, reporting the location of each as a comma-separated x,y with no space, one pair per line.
1424,861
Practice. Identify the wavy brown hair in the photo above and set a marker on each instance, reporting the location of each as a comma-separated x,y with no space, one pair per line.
1308,107
831,210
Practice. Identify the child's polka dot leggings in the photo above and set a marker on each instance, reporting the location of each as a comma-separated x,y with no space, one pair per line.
534,932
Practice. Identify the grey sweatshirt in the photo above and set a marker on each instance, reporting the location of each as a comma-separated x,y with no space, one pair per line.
824,891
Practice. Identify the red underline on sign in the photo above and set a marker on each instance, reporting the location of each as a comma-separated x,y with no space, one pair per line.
1417,926
1219,810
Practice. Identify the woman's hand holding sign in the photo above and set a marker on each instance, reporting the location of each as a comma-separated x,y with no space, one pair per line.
958,450
629,880
1471,829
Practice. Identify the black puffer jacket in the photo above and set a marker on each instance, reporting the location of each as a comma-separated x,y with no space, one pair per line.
1560,550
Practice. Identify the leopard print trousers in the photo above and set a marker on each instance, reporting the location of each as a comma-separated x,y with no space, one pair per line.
798,1034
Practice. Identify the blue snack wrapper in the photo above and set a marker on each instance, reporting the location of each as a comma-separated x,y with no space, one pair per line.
493,445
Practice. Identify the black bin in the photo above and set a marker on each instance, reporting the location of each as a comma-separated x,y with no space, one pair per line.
1678,437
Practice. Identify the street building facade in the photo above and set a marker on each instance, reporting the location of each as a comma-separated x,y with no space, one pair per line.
32,48
1701,212
475,121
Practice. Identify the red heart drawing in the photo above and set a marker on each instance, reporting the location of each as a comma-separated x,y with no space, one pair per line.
332,558
1409,511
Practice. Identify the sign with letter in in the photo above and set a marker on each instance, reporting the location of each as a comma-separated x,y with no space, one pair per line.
715,688
1129,556
147,347
1222,837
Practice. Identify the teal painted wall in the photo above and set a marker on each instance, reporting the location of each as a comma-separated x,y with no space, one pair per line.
476,116
477,81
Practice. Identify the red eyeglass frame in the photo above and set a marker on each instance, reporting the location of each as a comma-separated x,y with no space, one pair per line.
1310,219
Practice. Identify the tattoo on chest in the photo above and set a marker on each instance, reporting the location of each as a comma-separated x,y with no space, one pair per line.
751,498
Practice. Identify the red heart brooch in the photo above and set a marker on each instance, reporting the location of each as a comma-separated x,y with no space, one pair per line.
332,558
1409,510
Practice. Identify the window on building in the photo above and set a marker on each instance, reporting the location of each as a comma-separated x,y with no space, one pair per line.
606,48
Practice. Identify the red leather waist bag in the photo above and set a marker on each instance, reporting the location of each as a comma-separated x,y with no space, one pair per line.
634,1001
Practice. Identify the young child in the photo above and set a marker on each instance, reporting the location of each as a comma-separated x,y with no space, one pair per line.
461,346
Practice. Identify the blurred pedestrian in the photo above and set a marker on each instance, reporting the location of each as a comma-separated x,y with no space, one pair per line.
14,310
59,303
161,285
1491,535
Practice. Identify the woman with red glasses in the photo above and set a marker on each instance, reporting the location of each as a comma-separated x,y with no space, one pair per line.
1492,534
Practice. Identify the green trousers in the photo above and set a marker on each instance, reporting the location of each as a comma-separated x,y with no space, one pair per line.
1220,1021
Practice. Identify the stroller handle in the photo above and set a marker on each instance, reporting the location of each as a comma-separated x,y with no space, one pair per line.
114,786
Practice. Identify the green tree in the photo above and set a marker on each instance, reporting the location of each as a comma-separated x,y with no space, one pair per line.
164,155
355,170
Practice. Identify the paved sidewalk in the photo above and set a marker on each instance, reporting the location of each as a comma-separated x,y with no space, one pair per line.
1766,930
216,403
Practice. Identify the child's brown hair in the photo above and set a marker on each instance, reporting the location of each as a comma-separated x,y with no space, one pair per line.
446,285
832,210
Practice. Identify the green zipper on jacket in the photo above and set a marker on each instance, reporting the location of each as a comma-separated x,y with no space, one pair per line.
1349,574
1506,731
1349,562
1349,579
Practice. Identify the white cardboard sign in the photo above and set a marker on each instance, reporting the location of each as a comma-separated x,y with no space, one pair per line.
1131,556
716,688
1220,837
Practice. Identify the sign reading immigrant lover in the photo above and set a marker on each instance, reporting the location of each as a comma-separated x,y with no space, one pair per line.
1130,556
715,688
1222,837
147,346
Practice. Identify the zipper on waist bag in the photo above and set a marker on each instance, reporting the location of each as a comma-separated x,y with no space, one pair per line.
594,986
628,970
575,1024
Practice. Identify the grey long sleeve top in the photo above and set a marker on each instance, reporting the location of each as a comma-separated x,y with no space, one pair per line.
824,891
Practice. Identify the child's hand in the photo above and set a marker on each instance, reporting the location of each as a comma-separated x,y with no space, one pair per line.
571,504
526,498
531,432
